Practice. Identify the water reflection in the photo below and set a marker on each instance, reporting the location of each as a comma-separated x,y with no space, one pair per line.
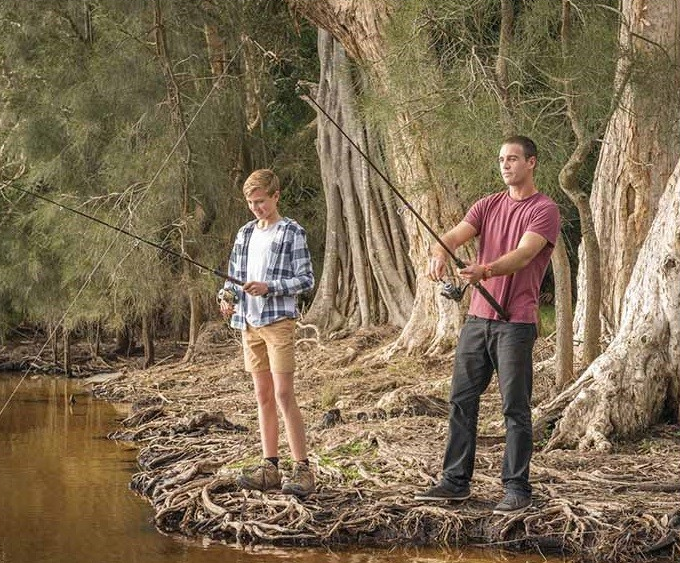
64,492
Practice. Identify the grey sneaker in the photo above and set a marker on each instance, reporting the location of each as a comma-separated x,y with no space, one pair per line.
301,482
263,477
443,492
512,503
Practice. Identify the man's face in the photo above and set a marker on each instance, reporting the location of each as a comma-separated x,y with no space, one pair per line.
516,169
263,205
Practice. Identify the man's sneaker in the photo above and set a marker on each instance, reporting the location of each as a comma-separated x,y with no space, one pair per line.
512,503
443,493
263,477
301,482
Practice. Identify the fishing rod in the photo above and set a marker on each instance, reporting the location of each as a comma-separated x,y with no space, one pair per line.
218,273
452,293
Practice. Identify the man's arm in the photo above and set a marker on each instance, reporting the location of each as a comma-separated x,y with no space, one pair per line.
529,246
457,236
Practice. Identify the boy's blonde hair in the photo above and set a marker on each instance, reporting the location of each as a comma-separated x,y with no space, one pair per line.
263,179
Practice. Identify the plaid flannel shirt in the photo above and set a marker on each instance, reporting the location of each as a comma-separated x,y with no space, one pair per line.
289,272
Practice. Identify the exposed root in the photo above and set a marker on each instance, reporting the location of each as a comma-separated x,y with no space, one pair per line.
196,427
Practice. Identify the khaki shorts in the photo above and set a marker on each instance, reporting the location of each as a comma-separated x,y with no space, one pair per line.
270,348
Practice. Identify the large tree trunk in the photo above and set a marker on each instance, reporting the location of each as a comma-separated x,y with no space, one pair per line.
638,153
358,24
636,381
366,279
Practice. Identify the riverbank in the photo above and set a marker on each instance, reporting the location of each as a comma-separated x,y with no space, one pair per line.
376,432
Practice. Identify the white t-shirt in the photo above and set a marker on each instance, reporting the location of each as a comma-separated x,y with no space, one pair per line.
259,251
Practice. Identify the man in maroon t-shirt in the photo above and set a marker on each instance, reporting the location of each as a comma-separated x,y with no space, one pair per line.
517,230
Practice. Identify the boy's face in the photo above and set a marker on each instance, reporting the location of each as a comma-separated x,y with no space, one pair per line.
262,205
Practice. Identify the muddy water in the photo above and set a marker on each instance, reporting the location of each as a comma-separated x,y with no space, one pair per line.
64,493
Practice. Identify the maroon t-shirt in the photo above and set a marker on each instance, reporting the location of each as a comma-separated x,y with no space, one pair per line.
500,222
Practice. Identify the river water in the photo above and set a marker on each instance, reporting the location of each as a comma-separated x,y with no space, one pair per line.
64,493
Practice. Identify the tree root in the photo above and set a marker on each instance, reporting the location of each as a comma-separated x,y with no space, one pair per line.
596,507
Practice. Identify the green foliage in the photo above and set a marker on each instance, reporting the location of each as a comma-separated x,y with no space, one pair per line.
547,320
446,79
88,117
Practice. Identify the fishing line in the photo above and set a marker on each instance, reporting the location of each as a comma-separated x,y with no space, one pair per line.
459,263
120,230
130,234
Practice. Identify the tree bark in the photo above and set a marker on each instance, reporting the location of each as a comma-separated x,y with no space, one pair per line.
564,338
195,320
125,341
434,323
66,345
636,381
177,115
365,278
639,150
569,183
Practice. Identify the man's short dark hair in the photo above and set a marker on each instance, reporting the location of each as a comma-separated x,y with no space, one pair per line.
528,146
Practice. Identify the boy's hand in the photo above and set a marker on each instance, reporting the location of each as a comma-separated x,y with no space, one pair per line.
226,308
257,289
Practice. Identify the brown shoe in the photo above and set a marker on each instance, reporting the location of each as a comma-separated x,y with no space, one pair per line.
263,477
301,482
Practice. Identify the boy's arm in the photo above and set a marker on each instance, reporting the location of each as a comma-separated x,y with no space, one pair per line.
300,277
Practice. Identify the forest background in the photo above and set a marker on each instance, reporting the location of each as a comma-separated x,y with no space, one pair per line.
150,114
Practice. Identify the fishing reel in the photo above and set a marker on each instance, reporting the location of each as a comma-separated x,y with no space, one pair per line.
226,295
452,291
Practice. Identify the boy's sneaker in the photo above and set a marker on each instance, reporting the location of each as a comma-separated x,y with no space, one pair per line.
263,477
512,503
301,482
444,493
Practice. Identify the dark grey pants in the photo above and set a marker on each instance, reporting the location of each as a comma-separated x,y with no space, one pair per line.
485,346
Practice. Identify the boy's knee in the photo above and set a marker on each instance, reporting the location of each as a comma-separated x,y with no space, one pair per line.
264,396
285,399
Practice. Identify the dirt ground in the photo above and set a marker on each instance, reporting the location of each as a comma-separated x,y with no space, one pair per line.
376,432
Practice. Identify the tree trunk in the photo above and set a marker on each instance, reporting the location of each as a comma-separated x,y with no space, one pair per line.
66,344
639,150
53,335
195,320
564,338
177,114
365,278
147,340
636,381
569,183
434,323
125,341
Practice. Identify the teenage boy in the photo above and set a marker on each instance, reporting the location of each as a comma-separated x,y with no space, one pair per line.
517,230
271,255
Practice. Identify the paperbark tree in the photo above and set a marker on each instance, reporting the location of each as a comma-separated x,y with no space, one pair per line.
359,26
366,278
639,150
636,381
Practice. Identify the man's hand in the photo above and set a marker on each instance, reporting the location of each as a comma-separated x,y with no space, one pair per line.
472,273
436,268
256,289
